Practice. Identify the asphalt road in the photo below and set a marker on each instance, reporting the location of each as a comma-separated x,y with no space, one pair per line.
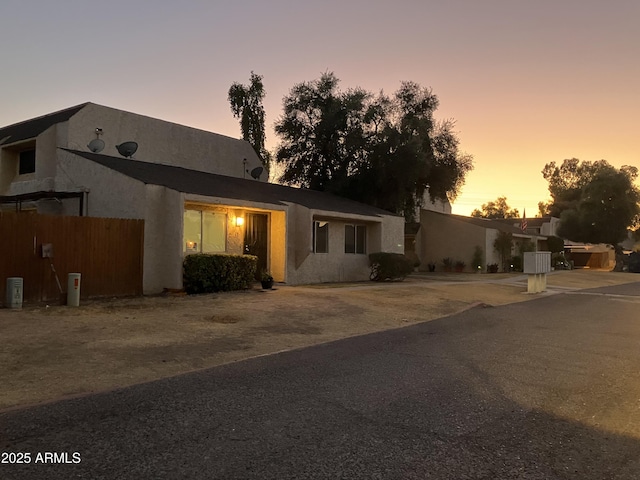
546,389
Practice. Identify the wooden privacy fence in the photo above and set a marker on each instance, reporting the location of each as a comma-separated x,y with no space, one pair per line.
108,252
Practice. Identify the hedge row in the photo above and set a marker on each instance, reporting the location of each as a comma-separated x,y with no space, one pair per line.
206,272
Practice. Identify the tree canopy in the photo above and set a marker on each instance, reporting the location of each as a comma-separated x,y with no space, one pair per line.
386,151
246,104
496,209
595,201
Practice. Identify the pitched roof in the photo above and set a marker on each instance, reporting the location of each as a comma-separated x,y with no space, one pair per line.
531,222
496,224
213,185
34,127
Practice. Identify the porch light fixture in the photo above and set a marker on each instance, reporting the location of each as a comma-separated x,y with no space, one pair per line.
239,221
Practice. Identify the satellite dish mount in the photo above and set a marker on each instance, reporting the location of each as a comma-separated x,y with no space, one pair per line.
256,172
127,149
97,144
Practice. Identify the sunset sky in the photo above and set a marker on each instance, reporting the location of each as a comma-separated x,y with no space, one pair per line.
528,82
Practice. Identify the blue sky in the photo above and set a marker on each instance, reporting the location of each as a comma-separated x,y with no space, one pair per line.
527,82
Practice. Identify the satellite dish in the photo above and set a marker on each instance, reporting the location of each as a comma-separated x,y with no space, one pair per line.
127,149
256,172
96,145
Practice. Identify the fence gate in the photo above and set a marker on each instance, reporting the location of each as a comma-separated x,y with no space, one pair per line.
44,249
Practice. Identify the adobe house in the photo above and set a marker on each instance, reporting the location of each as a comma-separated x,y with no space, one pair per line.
197,192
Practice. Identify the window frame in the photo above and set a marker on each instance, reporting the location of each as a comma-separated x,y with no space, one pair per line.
359,245
201,242
316,228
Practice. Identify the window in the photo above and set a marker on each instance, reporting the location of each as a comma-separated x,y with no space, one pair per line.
355,239
321,237
27,162
204,232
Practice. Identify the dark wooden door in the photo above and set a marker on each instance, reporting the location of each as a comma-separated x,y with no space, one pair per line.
256,238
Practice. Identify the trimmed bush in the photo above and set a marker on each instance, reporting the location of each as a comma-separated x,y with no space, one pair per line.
492,267
389,266
206,272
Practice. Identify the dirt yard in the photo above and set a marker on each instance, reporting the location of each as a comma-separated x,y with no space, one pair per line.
51,352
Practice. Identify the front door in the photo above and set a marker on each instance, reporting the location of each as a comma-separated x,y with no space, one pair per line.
255,239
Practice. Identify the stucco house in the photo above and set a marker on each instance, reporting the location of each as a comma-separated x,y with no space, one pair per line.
444,235
197,192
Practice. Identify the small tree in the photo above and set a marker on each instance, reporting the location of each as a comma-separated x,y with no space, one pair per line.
246,105
526,246
502,245
477,261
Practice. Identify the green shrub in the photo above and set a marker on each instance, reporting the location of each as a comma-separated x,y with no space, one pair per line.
516,261
205,272
389,266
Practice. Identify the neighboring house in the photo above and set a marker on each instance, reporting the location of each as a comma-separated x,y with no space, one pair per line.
411,229
196,192
444,235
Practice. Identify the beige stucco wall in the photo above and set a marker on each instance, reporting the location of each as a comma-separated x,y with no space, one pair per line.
160,141
278,242
109,193
384,233
443,236
162,239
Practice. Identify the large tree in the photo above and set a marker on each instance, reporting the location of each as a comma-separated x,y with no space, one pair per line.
595,201
496,209
383,150
246,105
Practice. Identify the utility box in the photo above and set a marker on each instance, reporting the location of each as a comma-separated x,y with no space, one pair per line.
73,289
537,265
14,292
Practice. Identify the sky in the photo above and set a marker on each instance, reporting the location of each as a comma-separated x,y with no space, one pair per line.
527,82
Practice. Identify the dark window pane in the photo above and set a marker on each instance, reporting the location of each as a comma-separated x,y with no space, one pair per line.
321,237
27,162
361,239
349,239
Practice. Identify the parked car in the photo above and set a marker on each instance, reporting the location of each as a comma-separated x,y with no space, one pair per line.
634,262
